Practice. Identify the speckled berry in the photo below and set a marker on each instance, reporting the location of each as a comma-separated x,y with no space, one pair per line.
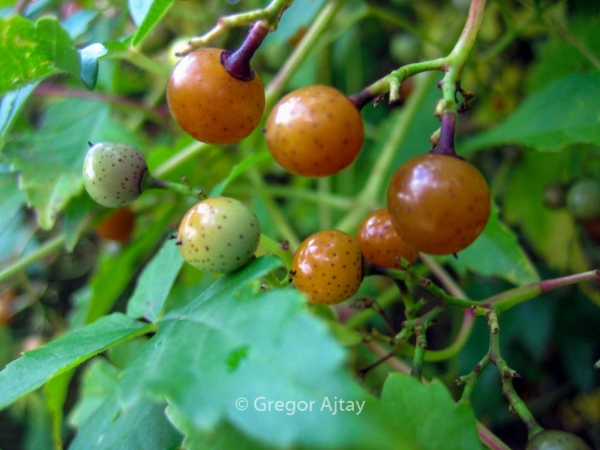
438,203
218,235
583,199
113,173
315,131
211,105
328,267
381,244
556,440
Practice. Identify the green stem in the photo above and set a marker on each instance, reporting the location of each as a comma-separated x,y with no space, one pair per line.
311,38
41,252
143,62
367,198
178,188
181,158
269,16
513,297
277,249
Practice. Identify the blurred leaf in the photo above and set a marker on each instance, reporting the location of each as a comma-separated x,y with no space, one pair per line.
10,108
238,170
545,69
89,63
51,159
242,348
223,436
510,262
77,217
566,112
115,273
146,15
155,282
98,382
12,200
143,426
55,392
550,232
79,23
427,415
31,52
37,367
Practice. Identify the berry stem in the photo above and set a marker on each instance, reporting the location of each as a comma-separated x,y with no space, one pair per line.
41,252
277,249
181,189
445,144
237,63
269,16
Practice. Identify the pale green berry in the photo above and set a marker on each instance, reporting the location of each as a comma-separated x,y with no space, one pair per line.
218,235
113,173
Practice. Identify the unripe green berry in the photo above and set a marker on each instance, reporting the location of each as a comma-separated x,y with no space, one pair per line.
114,173
556,440
583,199
218,235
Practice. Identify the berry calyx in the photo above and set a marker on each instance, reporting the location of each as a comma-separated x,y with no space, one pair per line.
381,244
438,203
118,226
219,235
210,104
556,440
114,174
315,131
328,267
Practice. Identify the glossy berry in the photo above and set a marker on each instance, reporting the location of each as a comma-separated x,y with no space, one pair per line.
315,131
381,244
118,226
218,235
113,173
211,105
556,440
438,203
583,199
328,267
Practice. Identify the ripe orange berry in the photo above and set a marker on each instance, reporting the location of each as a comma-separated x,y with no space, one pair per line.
328,267
211,105
315,131
381,244
438,203
118,226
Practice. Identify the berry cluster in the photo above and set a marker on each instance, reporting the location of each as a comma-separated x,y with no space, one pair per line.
437,203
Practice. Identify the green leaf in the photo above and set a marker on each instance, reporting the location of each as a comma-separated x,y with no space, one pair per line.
551,232
98,382
147,14
155,283
51,159
238,170
79,23
142,427
226,345
31,52
56,391
566,112
10,108
89,63
12,200
115,273
38,366
427,415
77,217
495,253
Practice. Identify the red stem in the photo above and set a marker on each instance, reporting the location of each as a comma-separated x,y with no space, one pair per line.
237,63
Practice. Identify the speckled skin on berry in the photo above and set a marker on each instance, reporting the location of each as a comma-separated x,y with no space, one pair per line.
438,203
556,440
211,105
218,235
315,131
328,267
381,244
113,173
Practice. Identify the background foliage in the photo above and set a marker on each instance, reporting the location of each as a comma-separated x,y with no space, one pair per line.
85,70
